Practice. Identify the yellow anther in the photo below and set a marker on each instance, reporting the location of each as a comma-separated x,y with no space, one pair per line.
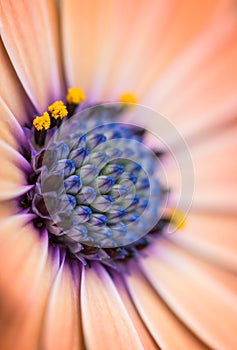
58,110
75,96
128,97
42,122
178,219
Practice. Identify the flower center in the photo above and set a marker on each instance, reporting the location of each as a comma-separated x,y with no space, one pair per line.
97,190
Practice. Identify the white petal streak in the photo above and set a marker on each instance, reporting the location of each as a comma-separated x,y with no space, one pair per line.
105,319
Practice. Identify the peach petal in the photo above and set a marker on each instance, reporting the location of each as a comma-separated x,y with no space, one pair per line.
25,280
31,38
104,317
144,335
173,25
166,329
215,169
61,328
204,101
217,39
11,91
7,209
9,221
13,182
8,190
210,273
210,236
200,300
10,129
112,39
15,156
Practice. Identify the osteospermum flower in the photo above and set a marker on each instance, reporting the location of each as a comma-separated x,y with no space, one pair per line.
68,280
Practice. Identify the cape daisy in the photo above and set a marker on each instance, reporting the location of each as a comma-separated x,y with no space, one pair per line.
177,57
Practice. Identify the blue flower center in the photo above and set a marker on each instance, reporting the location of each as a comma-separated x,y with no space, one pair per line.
97,188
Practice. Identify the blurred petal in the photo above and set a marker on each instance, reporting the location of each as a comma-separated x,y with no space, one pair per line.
61,329
14,156
207,272
10,129
144,335
11,91
184,294
7,208
201,100
215,174
13,182
215,167
201,301
166,329
113,37
31,37
105,318
212,237
25,279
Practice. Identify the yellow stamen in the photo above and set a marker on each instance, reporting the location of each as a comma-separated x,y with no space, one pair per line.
178,219
75,96
42,122
128,97
58,110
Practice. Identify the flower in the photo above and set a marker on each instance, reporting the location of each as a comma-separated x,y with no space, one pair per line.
176,57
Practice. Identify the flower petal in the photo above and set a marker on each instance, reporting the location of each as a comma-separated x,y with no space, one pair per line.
200,300
144,335
62,314
113,37
10,129
7,209
166,329
210,274
15,157
13,182
25,279
196,74
212,237
11,91
215,169
31,38
104,316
